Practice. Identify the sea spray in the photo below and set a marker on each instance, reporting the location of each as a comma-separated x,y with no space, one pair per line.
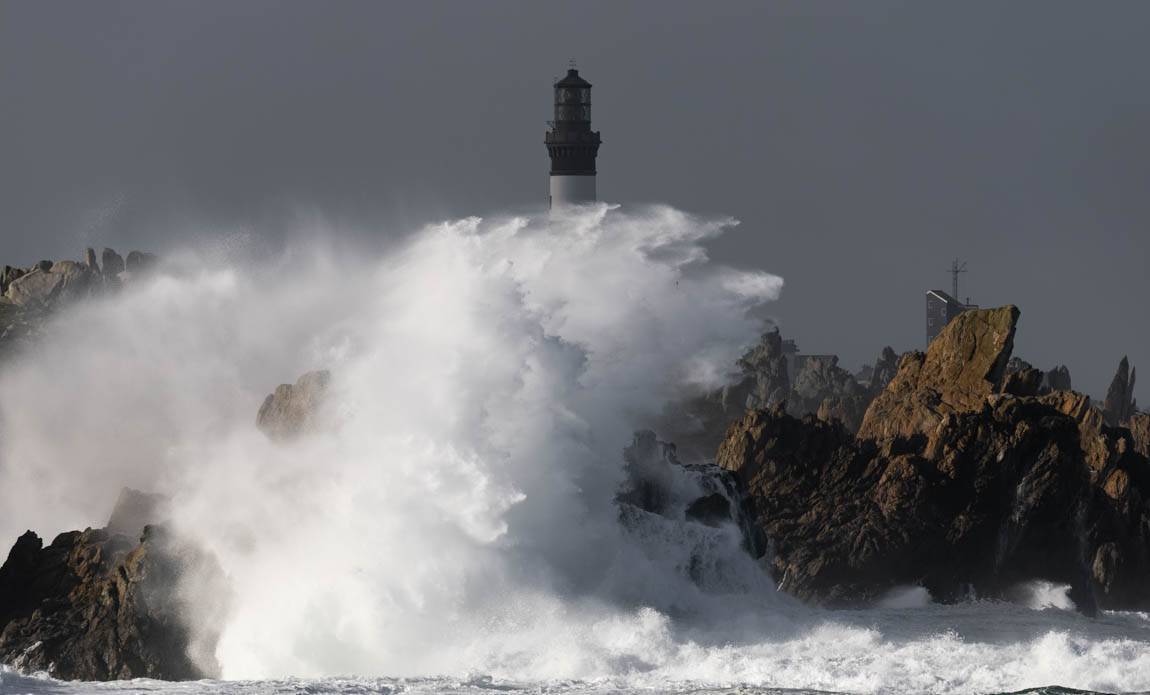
458,513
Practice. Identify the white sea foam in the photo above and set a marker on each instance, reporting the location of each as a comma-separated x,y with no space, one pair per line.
457,517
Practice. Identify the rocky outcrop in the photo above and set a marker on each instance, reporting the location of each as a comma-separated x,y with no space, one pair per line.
293,410
829,391
1057,379
884,370
113,263
1120,404
951,484
95,605
963,365
765,381
28,296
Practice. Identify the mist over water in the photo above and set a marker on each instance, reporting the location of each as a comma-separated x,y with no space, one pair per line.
456,515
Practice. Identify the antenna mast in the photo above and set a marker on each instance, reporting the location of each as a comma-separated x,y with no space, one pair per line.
955,268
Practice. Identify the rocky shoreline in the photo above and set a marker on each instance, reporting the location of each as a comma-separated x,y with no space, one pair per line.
962,470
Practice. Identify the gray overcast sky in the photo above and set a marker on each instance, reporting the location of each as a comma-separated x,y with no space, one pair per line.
863,145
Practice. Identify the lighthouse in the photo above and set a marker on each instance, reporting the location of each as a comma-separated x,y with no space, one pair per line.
571,143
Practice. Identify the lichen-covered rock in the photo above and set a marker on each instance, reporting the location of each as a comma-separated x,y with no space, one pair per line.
95,605
293,410
962,366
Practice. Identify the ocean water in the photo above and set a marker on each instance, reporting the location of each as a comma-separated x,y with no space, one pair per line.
452,525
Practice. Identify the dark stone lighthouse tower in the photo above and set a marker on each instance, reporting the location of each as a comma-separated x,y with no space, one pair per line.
571,143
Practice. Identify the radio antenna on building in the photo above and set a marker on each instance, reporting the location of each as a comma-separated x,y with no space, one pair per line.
955,268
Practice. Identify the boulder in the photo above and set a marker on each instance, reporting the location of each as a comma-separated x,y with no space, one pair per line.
293,410
37,288
95,605
61,281
962,366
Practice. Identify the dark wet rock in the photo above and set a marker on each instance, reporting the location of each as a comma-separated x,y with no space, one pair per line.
95,605
952,485
1024,382
293,410
647,463
1120,403
713,509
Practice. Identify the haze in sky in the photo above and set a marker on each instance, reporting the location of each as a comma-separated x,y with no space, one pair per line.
862,146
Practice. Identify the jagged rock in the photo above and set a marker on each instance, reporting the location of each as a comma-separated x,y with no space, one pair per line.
10,274
112,263
90,260
765,379
96,605
1023,382
62,281
962,366
293,410
824,388
885,367
1120,403
1139,426
1057,379
953,486
1017,364
43,265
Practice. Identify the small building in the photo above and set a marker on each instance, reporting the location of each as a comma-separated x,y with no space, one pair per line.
941,308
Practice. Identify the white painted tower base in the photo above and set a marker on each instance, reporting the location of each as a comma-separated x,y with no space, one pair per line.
572,190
